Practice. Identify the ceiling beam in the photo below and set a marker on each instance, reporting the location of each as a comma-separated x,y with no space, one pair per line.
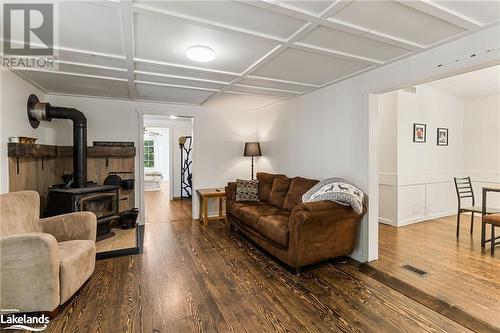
28,69
431,8
297,13
127,20
334,8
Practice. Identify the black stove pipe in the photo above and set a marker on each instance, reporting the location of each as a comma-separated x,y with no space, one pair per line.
44,111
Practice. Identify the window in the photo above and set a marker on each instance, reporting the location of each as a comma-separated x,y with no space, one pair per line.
149,153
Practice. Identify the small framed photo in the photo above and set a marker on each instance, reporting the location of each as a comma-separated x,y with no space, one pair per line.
442,136
419,133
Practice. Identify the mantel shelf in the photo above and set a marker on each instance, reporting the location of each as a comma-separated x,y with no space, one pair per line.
37,150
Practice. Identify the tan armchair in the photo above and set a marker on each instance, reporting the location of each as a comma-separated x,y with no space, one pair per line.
43,261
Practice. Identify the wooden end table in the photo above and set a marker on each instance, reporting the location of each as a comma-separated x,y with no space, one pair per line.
211,193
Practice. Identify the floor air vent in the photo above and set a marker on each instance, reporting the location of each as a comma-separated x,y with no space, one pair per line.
415,270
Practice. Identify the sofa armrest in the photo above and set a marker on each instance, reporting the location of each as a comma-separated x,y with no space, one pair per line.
231,191
29,275
321,230
73,226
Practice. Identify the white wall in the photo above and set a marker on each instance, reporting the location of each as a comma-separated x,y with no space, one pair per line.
388,157
482,145
14,94
179,127
419,185
327,132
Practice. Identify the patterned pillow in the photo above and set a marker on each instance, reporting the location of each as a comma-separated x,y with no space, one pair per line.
338,190
247,190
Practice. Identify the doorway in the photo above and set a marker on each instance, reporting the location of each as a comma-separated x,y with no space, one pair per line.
427,135
167,167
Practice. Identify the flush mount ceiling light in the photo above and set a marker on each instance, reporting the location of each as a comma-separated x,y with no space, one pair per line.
173,117
200,53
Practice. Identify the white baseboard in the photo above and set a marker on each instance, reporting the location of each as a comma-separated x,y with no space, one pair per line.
387,221
358,256
426,218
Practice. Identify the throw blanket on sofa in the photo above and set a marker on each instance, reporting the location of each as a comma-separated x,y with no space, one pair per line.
338,190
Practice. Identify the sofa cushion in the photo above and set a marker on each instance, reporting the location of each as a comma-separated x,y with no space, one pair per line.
77,261
249,214
265,184
247,190
279,190
275,227
298,186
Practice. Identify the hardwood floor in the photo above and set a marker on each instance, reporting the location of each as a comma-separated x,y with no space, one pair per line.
460,275
158,206
196,279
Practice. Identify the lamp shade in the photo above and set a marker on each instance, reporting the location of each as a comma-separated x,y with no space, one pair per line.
252,149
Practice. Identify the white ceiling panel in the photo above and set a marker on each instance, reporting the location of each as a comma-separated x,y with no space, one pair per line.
167,40
263,82
345,42
77,85
180,71
314,7
297,65
262,91
241,101
88,26
236,14
482,11
171,94
96,71
177,81
395,19
92,59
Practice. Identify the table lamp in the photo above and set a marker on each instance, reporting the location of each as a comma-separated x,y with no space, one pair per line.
252,149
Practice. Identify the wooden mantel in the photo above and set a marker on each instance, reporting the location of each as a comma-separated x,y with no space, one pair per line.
36,167
35,150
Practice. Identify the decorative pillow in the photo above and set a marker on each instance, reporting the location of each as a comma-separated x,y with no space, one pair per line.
338,190
247,190
279,191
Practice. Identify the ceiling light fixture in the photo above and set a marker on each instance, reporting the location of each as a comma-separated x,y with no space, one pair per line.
200,53
173,117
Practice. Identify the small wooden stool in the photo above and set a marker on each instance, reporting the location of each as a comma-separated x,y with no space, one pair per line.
494,220
204,195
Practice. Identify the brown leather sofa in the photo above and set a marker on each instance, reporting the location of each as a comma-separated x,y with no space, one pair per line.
296,233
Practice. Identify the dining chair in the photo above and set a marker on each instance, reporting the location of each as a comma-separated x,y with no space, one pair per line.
464,189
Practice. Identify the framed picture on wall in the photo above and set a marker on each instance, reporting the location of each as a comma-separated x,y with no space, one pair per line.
442,136
419,133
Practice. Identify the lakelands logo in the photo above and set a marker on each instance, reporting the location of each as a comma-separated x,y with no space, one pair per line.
32,323
29,35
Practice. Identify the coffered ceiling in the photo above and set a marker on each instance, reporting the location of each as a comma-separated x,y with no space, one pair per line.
266,51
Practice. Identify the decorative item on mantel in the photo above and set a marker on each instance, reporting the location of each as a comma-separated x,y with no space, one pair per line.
252,149
22,139
113,144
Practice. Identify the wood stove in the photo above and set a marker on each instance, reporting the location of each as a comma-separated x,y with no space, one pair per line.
78,194
102,200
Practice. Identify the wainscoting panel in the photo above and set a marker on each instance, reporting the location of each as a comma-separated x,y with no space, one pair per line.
412,198
411,203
